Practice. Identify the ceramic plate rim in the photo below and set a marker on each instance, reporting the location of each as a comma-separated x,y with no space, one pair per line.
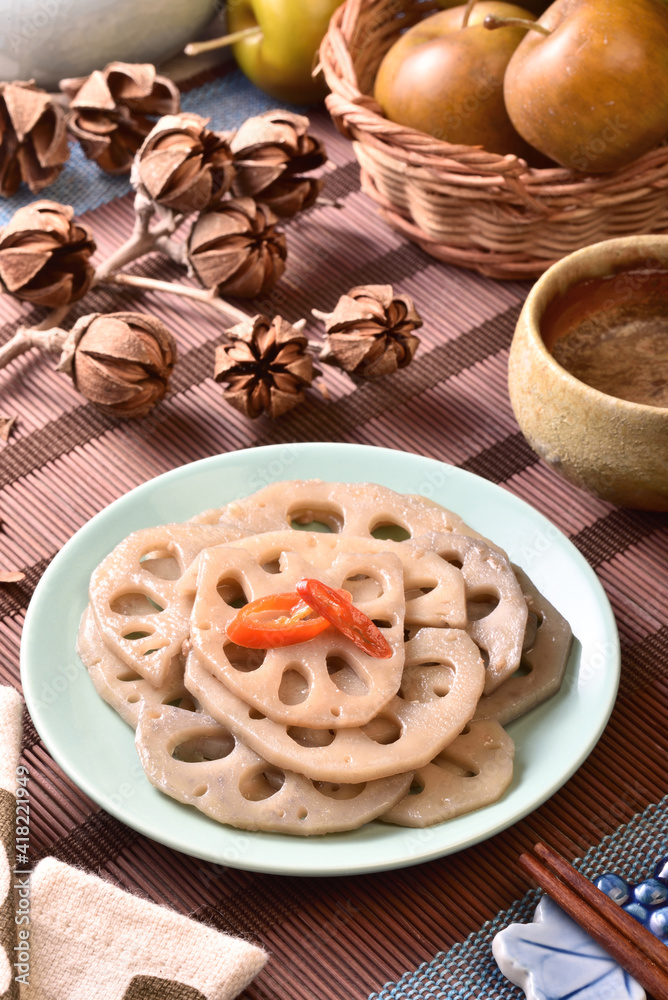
325,855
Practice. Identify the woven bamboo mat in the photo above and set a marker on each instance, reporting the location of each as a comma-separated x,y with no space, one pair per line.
332,938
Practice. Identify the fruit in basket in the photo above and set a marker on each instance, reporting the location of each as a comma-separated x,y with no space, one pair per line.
280,56
445,77
533,6
536,6
588,86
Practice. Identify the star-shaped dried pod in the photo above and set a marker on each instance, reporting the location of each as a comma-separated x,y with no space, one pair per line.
121,362
270,152
108,111
236,248
45,255
33,138
370,331
266,366
182,165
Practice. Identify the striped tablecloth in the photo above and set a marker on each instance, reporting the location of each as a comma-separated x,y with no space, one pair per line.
338,938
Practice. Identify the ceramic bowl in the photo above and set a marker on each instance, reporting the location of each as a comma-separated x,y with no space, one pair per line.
613,448
46,40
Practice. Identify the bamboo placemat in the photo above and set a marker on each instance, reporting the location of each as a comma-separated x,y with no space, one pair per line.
343,937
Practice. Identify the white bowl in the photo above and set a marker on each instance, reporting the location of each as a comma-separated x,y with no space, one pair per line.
46,40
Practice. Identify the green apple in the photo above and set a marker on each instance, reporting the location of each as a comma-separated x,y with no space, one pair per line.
280,60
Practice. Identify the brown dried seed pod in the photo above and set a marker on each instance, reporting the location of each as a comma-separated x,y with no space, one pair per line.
45,255
236,249
370,332
270,151
184,166
33,138
266,366
289,195
121,362
108,111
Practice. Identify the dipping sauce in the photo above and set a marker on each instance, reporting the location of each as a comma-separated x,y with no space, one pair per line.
612,334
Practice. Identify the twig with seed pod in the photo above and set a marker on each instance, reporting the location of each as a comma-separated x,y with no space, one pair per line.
233,189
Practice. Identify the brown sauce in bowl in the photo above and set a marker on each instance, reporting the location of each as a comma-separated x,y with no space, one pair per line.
612,334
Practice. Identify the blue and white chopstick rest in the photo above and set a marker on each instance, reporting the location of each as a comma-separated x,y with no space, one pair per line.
553,958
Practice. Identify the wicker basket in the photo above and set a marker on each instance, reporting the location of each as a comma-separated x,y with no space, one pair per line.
461,204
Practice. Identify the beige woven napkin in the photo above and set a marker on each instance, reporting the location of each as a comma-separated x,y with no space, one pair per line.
91,939
87,938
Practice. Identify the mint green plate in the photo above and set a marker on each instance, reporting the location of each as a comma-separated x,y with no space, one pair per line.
96,748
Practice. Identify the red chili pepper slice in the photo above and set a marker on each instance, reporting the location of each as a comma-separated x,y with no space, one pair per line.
275,620
344,616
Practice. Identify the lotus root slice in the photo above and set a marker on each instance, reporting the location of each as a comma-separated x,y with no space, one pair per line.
434,591
197,761
362,509
142,616
406,734
542,665
293,684
497,609
473,771
119,685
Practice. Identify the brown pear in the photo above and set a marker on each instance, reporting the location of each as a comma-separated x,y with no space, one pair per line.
535,7
446,79
592,92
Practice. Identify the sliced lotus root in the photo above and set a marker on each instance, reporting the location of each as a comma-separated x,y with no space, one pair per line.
364,509
473,771
434,591
293,684
196,760
211,516
407,733
542,665
432,519
119,685
496,606
327,681
142,616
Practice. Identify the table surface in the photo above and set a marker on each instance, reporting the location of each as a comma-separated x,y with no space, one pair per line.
340,937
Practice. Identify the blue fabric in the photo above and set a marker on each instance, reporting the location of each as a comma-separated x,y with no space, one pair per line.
468,970
227,101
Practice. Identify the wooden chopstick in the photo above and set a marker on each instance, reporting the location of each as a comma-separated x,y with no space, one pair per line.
627,941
